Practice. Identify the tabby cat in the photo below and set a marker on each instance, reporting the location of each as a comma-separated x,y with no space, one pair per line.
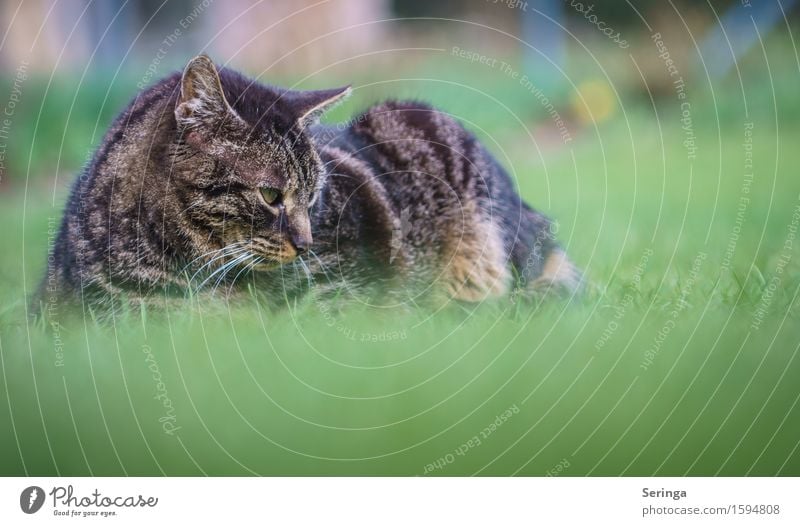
212,182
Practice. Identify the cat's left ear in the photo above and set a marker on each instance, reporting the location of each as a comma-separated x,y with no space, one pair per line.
310,105
201,100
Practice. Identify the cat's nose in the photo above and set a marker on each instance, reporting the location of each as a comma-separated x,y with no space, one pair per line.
301,244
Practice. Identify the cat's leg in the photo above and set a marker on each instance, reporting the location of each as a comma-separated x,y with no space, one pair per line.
476,268
540,265
559,275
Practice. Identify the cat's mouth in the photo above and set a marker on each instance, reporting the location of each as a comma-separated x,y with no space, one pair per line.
271,256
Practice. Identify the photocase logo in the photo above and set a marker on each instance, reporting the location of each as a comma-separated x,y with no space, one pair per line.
31,499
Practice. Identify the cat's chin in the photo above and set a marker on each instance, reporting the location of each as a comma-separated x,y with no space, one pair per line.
266,266
270,260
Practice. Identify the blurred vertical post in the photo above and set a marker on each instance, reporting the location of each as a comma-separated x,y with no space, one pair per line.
545,51
110,29
736,32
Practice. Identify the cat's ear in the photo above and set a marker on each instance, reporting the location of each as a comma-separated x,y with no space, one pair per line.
310,105
201,99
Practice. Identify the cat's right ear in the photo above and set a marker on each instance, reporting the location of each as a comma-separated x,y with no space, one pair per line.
201,101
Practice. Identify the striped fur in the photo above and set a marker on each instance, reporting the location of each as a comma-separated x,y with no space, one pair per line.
402,203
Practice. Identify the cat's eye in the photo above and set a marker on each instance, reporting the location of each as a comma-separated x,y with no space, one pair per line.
270,195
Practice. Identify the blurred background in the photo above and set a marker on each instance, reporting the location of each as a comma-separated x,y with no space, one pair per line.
83,60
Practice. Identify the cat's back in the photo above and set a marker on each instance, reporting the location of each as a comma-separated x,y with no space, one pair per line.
425,153
407,128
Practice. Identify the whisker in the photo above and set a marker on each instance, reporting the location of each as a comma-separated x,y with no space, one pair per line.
321,265
224,269
230,266
296,273
229,251
307,272
191,205
206,254
221,269
245,268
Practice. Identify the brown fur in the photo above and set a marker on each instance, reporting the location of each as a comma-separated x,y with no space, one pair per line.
402,203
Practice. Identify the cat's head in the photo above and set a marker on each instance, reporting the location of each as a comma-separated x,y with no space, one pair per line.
253,171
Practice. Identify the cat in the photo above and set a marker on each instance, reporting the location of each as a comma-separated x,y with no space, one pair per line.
209,179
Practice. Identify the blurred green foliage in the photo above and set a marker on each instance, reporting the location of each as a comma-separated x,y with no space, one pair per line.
61,120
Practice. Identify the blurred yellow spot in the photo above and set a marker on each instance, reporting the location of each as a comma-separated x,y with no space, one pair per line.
594,101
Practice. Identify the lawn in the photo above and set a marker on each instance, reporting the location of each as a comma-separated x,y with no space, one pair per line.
679,358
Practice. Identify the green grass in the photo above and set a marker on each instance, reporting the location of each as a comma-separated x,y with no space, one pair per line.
307,391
